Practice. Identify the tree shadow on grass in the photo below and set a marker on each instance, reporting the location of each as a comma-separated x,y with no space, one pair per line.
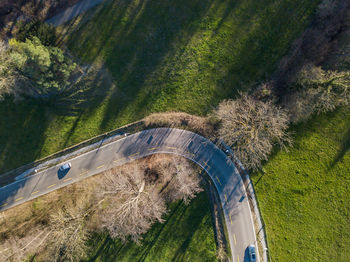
270,29
154,52
345,147
148,37
22,132
186,219
183,249
147,248
134,38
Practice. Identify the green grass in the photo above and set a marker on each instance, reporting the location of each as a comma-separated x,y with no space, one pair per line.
304,193
186,235
163,55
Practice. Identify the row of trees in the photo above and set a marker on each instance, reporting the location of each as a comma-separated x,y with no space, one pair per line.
125,202
254,125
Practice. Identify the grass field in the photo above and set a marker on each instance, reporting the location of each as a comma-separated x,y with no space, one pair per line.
186,235
162,55
304,193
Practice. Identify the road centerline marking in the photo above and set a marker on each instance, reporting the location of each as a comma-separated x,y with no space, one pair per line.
206,164
218,180
237,258
51,185
118,160
234,237
152,148
18,199
225,197
67,179
4,205
83,173
171,147
35,192
100,166
231,219
135,154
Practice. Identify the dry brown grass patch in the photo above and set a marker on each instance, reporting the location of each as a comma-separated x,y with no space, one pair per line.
202,125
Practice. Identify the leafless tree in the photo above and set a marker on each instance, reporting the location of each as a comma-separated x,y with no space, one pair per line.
133,206
17,248
318,91
326,8
68,234
252,128
185,182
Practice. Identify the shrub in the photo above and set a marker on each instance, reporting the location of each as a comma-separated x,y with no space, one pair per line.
44,32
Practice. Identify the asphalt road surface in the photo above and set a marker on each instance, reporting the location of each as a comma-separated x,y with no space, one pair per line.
224,175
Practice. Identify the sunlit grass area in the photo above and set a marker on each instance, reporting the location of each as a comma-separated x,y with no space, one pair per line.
186,235
304,193
186,55
161,55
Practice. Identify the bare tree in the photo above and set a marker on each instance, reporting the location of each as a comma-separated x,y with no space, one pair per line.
252,128
133,206
326,8
185,182
68,234
318,91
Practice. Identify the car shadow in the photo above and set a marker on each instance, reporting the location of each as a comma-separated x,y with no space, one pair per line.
246,255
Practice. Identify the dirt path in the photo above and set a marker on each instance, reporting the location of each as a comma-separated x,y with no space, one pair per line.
73,12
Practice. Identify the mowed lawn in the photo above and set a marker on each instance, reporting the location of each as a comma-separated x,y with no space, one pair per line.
186,235
304,193
162,55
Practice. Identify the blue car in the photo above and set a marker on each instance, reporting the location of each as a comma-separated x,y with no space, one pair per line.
252,253
65,167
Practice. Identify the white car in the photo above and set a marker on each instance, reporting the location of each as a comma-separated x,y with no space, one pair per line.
65,167
252,253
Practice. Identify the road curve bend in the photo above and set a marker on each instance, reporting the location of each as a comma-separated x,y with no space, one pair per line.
219,167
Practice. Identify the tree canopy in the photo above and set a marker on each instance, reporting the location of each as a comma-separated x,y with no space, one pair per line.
32,69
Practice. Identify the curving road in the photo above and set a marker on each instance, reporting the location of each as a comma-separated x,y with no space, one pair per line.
224,175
